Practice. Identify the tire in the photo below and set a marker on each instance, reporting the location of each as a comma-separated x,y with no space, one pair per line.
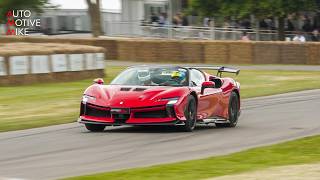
95,127
233,112
190,114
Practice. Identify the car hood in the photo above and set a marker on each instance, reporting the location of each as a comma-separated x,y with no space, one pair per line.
133,96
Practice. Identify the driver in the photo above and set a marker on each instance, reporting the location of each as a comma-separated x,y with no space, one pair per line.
177,78
144,77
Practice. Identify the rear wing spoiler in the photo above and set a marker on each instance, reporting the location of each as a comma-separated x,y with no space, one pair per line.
220,69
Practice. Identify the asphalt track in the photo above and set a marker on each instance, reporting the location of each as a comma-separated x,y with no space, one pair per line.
69,150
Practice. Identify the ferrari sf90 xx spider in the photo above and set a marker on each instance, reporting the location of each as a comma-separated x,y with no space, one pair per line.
163,95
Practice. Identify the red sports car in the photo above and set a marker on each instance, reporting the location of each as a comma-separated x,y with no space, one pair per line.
163,95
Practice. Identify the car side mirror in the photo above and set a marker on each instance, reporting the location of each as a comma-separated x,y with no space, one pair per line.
207,84
98,81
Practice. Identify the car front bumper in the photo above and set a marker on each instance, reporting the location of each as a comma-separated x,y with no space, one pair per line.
169,123
156,115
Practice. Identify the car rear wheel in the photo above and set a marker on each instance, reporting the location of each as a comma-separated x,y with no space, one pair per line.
95,127
233,112
190,114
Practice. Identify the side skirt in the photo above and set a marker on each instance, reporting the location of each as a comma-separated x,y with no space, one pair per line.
213,120
174,123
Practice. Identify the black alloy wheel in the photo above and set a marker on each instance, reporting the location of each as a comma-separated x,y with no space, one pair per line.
190,114
233,111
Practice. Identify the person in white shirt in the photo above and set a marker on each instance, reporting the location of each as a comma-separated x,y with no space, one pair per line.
206,22
299,38
245,36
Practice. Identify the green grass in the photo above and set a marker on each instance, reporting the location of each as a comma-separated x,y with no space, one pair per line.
38,105
23,107
262,83
301,151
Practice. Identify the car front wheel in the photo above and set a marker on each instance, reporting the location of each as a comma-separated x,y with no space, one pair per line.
190,114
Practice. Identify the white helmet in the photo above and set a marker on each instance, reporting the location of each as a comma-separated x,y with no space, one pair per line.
144,75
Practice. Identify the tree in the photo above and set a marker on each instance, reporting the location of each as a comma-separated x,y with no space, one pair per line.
9,5
260,8
94,13
206,7
281,9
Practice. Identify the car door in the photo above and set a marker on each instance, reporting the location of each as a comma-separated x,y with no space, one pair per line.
208,102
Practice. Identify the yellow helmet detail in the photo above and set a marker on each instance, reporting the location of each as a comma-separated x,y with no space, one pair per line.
175,74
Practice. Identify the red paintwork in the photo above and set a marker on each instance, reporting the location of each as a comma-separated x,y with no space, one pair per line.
208,84
98,81
213,103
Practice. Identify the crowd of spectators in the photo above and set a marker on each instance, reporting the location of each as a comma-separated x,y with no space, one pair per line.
300,26
303,27
161,19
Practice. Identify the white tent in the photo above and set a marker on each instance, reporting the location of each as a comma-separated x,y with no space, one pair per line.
72,15
81,4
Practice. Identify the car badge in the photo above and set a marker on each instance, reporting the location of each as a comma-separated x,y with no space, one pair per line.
121,102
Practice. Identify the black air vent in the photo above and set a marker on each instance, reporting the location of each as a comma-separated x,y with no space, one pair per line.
140,89
125,89
151,114
96,111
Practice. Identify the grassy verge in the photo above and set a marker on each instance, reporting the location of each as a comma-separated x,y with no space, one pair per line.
301,151
39,105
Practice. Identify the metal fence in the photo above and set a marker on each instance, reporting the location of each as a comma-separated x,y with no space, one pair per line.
138,29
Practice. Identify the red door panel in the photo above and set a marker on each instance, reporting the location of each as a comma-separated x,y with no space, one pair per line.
227,88
209,103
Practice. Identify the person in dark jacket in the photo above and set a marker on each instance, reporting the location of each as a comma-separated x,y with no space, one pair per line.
315,35
154,18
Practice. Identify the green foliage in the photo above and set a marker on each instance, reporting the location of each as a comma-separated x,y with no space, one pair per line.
8,5
260,8
207,7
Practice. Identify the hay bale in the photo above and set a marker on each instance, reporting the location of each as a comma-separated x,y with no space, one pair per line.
313,52
169,51
26,49
241,52
216,52
293,53
156,50
266,53
192,52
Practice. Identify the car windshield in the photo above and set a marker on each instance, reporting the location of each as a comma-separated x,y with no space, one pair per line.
152,76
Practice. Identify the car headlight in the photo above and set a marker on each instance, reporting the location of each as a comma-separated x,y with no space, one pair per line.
171,101
86,98
238,85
